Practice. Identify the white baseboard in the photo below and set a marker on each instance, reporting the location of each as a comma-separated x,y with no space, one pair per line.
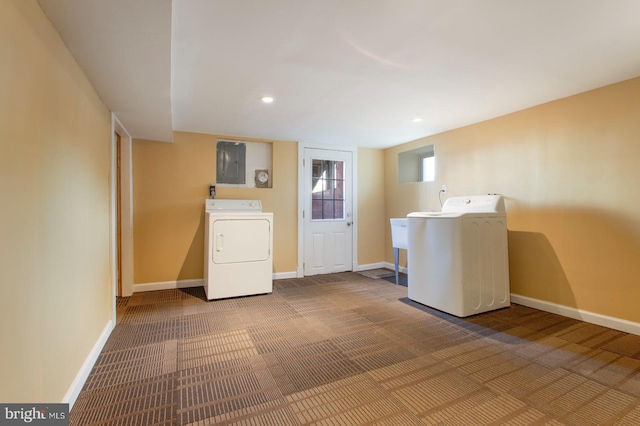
393,267
81,377
167,285
285,275
579,314
370,266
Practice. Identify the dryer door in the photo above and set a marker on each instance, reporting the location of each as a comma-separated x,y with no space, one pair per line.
241,240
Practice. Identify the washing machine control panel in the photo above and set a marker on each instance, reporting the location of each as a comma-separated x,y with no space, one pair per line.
221,206
474,204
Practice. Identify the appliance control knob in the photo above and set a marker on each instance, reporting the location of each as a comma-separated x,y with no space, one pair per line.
467,201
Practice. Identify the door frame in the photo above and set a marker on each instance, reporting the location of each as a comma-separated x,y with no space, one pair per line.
126,209
301,202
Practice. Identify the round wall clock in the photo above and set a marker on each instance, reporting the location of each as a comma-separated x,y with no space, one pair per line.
262,178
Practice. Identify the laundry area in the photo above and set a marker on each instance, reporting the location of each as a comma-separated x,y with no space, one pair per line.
457,259
301,213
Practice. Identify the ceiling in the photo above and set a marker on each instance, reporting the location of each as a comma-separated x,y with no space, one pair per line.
341,72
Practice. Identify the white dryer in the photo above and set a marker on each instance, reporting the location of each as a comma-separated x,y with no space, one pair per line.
238,249
458,259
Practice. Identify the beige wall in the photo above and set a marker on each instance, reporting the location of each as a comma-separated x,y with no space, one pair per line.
171,182
371,218
569,171
54,220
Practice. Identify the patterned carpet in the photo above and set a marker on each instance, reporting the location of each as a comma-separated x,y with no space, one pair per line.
345,349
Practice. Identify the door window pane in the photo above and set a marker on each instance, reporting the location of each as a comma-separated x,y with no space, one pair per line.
339,190
327,210
339,170
327,194
327,190
315,182
316,209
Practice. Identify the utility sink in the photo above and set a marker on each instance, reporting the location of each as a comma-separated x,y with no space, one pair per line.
399,235
399,239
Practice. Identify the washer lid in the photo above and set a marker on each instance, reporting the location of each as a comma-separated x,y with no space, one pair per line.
474,204
223,206
443,215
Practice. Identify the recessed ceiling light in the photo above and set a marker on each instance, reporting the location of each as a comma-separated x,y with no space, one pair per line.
267,99
416,120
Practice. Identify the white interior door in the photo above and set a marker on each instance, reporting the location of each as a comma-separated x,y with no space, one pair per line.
328,214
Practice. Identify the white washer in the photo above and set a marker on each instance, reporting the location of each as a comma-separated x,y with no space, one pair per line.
458,259
238,249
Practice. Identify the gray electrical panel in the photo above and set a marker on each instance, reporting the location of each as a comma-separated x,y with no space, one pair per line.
231,162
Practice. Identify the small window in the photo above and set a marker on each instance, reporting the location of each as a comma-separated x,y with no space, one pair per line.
417,165
428,168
